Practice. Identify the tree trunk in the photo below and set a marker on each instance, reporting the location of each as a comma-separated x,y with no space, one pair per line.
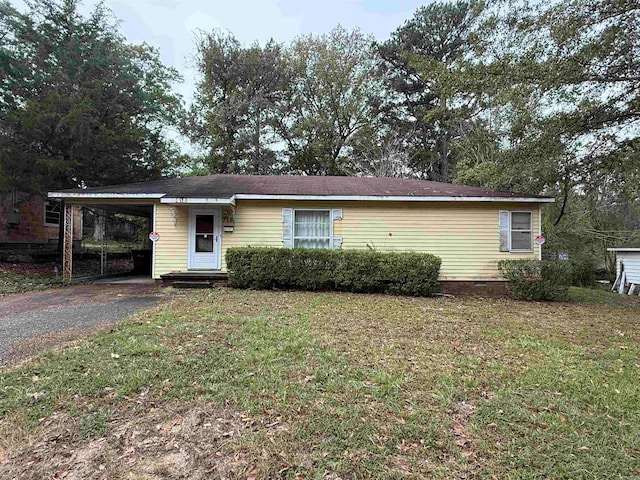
564,202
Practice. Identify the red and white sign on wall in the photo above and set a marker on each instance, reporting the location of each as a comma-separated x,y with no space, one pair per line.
154,236
540,240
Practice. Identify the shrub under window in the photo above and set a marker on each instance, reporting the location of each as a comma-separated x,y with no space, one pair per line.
327,269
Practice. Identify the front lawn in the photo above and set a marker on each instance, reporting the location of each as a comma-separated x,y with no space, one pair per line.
242,384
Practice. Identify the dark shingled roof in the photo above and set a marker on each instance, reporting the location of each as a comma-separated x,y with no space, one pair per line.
225,186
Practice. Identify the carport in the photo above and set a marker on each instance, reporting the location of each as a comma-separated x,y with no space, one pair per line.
105,205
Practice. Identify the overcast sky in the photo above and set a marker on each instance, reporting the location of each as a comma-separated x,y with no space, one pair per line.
169,25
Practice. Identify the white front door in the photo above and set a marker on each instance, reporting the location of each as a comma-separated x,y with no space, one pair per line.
204,238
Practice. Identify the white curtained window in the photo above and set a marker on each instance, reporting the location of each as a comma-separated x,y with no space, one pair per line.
312,229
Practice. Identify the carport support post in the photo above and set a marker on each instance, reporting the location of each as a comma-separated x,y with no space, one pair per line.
67,250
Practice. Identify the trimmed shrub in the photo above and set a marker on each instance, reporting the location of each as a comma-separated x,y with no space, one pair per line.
346,270
411,273
537,279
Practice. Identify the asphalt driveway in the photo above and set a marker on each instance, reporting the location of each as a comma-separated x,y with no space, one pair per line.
34,321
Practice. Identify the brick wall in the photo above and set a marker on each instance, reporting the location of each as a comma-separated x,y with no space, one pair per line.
30,216
481,289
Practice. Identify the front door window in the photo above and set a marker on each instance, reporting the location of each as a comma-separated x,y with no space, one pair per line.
204,233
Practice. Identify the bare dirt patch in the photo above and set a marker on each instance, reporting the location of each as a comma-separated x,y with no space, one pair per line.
168,441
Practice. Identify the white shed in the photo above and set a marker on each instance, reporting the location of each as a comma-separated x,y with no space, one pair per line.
627,269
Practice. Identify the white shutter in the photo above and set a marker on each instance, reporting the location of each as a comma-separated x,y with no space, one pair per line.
287,227
336,214
504,227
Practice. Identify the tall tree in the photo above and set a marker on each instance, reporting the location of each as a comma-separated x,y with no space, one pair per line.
268,109
564,79
423,64
331,102
78,104
562,84
237,94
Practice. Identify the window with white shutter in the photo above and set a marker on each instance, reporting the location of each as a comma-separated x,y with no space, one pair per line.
516,231
310,228
521,231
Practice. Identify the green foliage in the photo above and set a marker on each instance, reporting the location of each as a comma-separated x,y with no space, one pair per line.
583,272
537,280
347,270
94,424
332,101
560,88
275,108
424,64
78,104
12,282
232,116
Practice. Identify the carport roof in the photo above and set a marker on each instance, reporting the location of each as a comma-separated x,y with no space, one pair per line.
230,187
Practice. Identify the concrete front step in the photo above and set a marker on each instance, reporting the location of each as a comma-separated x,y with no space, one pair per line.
194,279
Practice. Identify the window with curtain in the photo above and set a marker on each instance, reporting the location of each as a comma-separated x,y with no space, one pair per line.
312,229
521,231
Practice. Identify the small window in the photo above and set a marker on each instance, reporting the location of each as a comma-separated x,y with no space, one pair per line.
204,233
312,229
521,231
52,213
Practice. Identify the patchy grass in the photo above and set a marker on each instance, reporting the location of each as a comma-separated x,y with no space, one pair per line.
19,278
590,295
321,385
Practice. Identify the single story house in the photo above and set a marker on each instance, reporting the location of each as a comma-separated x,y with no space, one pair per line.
627,268
197,219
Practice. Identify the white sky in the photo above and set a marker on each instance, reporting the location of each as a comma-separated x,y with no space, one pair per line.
170,25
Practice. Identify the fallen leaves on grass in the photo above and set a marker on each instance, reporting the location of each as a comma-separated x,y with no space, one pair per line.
352,386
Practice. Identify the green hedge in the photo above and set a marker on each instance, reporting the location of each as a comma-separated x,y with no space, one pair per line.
537,279
346,270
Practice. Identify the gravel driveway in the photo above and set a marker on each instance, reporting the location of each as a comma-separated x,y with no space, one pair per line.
33,321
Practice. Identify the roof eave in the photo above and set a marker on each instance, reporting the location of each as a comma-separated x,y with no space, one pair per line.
247,196
199,200
391,198
102,195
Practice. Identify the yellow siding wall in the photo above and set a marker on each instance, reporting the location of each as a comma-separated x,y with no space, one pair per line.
172,224
464,235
